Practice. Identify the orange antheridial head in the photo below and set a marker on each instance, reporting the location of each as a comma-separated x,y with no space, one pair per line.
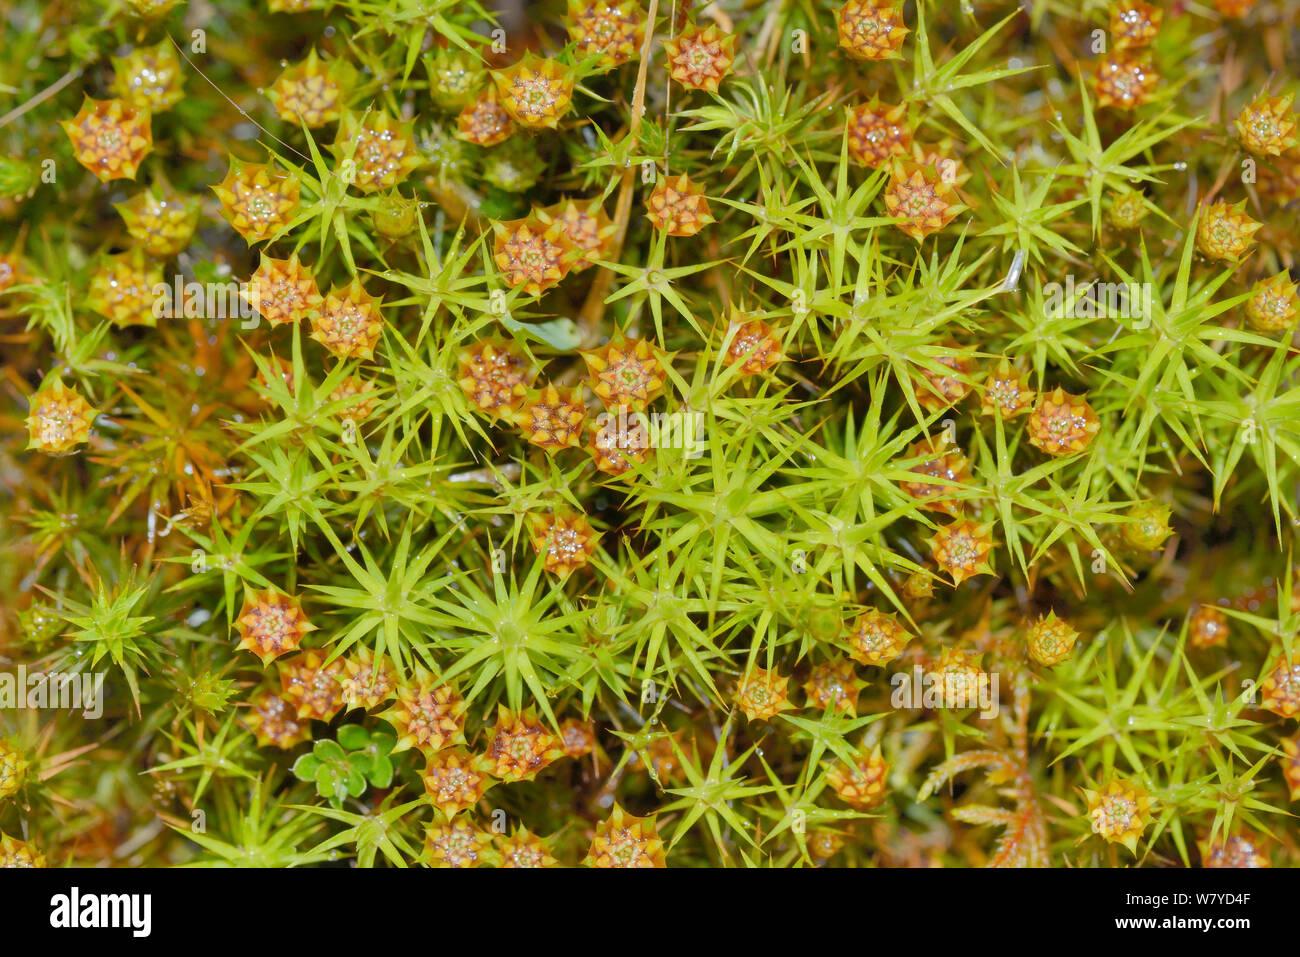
19,854
1224,232
1273,305
160,220
920,198
943,462
618,443
59,419
1124,80
625,840
453,781
877,638
535,91
835,686
284,291
122,289
762,694
311,683
349,322
878,132
871,29
427,715
1050,640
678,206
577,737
615,32
149,78
699,58
625,373
271,624
274,722
374,151
1119,811
587,227
1062,424
937,390
1238,851
359,397
1267,126
366,682
962,548
551,419
110,138
753,346
524,849
495,376
457,844
1134,23
1280,690
257,199
1207,627
533,255
862,785
1006,392
484,121
563,541
311,91
519,746
961,680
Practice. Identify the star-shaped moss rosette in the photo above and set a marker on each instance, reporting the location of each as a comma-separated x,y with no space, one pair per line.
961,549
877,132
271,624
495,376
613,32
454,781
1267,125
1050,640
274,723
920,198
618,445
1119,811
374,151
110,138
677,206
550,418
1273,305
484,121
1134,23
1207,627
588,229
312,683
871,29
349,322
16,853
458,844
455,77
59,419
160,220
1225,232
258,199
626,373
564,540
428,715
1148,526
531,254
1124,80
536,91
699,58
283,291
1062,424
366,681
1005,392
753,347
523,848
1238,851
626,841
149,78
877,638
312,91
124,289
863,785
519,746
1280,690
13,769
943,467
578,738
762,694
347,768
834,686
